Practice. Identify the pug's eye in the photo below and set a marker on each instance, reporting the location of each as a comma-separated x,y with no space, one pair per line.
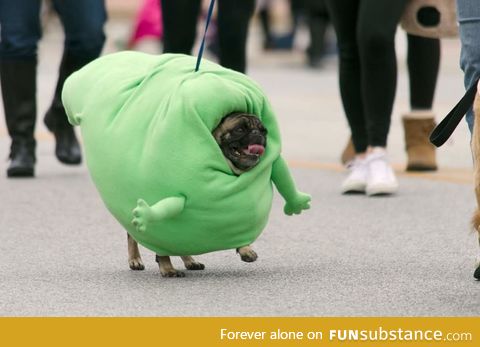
239,130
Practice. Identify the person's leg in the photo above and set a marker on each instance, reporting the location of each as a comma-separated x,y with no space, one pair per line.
343,14
20,32
285,41
377,24
83,22
233,21
318,20
179,25
423,60
468,13
264,17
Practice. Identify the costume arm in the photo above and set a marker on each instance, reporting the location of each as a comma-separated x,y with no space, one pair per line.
166,208
295,201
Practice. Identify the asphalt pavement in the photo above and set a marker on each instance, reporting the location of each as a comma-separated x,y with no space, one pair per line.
412,254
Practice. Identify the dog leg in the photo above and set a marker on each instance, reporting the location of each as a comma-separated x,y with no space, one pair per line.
134,258
192,264
166,267
476,163
247,254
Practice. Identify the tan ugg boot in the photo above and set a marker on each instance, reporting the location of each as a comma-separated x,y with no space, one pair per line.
420,152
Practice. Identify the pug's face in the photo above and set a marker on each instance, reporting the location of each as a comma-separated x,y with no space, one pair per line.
242,139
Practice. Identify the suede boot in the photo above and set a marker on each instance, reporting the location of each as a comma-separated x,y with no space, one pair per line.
18,80
420,152
67,148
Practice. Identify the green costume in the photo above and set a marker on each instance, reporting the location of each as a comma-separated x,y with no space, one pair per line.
146,124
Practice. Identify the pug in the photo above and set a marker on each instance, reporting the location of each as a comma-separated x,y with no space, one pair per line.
242,138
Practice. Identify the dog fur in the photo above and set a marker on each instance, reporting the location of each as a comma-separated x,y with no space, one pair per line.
476,159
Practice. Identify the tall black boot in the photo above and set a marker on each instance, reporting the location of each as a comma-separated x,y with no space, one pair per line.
18,80
67,148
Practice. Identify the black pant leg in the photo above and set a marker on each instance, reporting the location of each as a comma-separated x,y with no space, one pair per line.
179,25
233,20
343,14
423,61
318,21
377,25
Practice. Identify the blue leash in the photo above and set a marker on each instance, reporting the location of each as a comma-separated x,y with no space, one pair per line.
202,46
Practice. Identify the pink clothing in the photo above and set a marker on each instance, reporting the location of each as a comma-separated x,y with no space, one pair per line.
148,22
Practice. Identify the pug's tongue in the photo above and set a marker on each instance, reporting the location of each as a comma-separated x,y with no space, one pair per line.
255,149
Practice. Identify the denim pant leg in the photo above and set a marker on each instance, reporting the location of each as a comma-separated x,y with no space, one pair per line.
83,22
19,29
468,12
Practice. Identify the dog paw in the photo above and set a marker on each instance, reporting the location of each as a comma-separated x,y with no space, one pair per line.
172,273
195,266
136,264
141,216
298,204
247,254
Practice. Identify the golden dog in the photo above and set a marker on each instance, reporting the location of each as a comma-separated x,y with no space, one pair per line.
476,156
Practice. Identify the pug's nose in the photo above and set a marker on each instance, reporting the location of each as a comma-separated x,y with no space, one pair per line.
255,132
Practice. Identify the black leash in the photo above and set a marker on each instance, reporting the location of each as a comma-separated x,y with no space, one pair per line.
447,126
202,46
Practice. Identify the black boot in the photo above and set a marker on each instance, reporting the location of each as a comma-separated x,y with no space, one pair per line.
22,161
18,79
67,148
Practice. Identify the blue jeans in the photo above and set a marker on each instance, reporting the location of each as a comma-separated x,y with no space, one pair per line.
468,13
20,30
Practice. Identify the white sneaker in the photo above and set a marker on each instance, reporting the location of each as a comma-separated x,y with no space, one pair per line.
380,177
356,181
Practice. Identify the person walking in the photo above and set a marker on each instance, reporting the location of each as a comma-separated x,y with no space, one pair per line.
368,74
20,32
180,28
468,14
423,62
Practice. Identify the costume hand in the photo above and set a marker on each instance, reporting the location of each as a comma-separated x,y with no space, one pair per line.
141,216
299,203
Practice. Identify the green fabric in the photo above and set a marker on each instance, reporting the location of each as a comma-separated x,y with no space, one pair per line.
146,124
